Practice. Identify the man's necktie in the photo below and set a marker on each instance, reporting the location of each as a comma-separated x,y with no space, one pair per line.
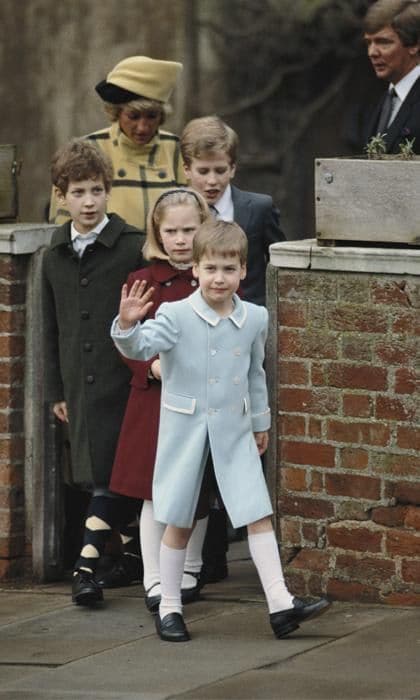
386,111
213,211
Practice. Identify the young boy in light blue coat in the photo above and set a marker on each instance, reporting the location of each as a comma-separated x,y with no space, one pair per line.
214,397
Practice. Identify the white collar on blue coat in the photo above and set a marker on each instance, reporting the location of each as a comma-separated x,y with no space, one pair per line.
238,315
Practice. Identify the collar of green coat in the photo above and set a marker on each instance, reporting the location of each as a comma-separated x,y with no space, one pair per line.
238,315
107,237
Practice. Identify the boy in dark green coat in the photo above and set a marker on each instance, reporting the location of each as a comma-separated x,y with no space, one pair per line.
84,268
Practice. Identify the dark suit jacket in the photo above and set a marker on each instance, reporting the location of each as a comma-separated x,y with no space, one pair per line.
260,219
406,124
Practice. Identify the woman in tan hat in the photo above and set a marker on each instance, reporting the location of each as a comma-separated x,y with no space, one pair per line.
146,159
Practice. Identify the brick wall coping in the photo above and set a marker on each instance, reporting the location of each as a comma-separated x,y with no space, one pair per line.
306,254
23,239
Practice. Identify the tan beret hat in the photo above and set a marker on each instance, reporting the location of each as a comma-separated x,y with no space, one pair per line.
139,76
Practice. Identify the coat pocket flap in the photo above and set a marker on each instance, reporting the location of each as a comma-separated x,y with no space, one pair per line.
179,403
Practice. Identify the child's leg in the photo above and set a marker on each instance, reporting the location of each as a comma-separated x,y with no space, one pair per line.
194,558
127,568
102,515
172,559
151,533
265,555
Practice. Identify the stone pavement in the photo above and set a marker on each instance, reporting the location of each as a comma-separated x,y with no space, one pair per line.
52,650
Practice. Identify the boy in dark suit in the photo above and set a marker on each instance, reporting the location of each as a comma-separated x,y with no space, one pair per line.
87,383
209,151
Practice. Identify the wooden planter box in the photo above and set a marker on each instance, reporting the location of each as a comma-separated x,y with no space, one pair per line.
376,201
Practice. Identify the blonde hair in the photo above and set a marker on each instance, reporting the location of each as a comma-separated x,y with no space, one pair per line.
206,136
142,104
224,238
181,196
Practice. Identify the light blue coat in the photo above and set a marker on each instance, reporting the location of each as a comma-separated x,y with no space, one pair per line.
213,394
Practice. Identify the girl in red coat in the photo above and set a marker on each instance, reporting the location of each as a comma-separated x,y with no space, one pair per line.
171,227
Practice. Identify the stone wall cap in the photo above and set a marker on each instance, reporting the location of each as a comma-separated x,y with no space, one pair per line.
306,254
24,239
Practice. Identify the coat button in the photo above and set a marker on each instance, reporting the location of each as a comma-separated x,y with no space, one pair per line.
90,379
213,352
121,172
84,315
84,281
87,347
162,174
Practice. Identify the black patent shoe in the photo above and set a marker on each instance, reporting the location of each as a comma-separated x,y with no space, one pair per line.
172,628
85,590
287,621
152,602
189,595
126,571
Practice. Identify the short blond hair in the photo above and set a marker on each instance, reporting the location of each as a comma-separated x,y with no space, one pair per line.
180,196
224,238
206,136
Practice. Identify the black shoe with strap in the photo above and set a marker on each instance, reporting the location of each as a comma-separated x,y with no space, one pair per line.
188,595
85,590
287,621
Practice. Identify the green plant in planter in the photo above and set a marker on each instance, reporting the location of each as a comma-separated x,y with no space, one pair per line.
406,149
375,149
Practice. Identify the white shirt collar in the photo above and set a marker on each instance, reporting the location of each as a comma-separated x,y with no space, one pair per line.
224,205
403,87
91,234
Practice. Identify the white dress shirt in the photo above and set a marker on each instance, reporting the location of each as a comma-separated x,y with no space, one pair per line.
80,241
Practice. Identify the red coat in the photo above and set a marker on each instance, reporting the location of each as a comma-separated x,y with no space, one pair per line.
132,473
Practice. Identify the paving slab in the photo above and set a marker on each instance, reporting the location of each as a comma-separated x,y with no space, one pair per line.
379,662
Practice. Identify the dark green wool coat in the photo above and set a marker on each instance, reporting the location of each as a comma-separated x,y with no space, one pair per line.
80,298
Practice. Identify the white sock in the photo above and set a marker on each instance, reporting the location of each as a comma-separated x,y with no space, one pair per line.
171,569
265,555
151,533
194,557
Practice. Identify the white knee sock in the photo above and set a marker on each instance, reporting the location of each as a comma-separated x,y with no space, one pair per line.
151,533
171,569
194,558
265,555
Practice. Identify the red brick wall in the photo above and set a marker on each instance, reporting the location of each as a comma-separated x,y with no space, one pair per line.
349,434
12,363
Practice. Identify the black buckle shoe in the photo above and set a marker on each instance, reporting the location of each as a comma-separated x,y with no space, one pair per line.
85,590
152,602
172,628
189,595
287,621
126,571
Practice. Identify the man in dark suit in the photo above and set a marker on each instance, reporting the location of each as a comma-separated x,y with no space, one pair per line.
209,151
392,34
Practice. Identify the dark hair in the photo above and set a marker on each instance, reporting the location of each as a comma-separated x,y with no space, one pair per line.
80,159
224,238
402,15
